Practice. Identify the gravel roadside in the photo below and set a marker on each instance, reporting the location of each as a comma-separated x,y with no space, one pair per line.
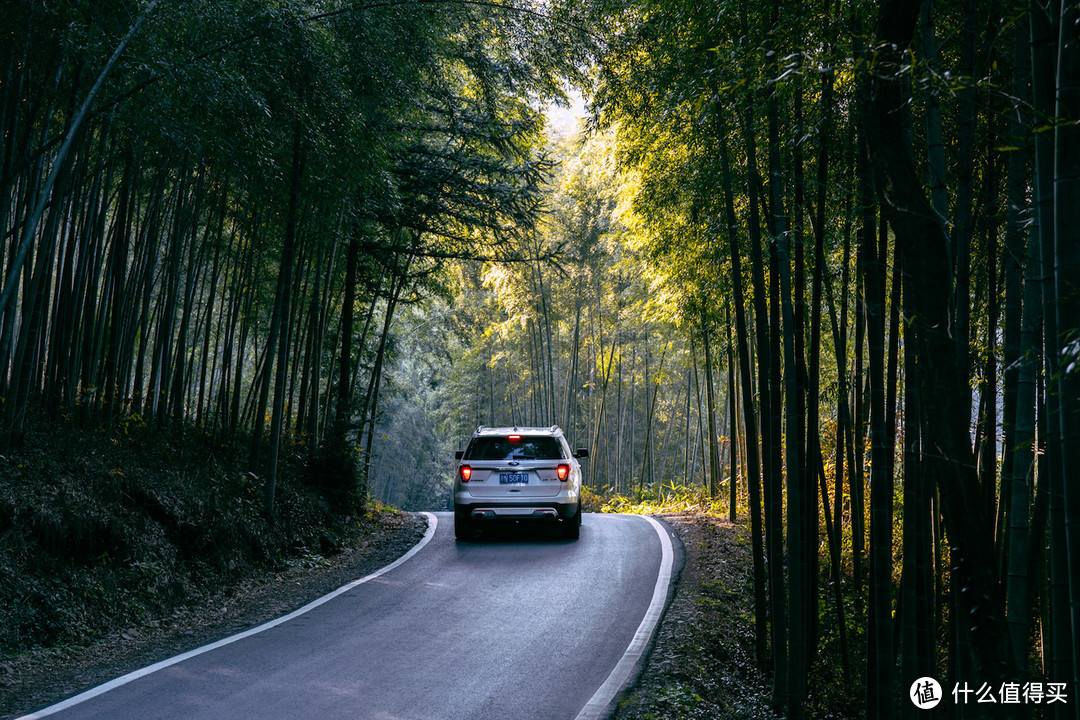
702,664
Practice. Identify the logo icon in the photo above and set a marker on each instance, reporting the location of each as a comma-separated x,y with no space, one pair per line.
925,693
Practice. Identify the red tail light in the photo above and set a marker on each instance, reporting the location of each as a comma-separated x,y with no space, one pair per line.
563,472
466,473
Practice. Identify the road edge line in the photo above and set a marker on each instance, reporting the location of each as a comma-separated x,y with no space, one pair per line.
433,523
599,705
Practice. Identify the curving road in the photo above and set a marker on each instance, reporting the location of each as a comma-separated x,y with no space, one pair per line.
517,625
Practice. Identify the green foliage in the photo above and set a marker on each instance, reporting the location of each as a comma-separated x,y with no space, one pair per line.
230,156
655,500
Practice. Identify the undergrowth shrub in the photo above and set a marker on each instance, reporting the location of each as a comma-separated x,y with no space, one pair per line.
102,528
334,473
653,500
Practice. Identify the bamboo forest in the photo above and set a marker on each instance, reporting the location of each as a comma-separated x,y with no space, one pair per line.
814,264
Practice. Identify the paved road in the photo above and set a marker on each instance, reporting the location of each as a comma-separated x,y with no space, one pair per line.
510,627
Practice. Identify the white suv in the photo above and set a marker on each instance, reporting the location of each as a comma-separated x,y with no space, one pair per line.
518,474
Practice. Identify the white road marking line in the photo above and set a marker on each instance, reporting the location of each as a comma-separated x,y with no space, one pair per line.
433,522
622,674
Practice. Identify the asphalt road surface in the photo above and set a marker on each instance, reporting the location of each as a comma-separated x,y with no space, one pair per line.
518,625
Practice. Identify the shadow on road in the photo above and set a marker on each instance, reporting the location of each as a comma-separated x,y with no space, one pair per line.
520,533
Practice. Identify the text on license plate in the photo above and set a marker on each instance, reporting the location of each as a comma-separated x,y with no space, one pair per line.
513,478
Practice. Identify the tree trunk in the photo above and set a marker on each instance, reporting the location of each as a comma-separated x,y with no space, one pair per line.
751,455
1020,351
283,311
1017,588
922,242
770,440
710,402
880,670
348,304
935,145
1044,26
733,424
1067,295
595,444
570,398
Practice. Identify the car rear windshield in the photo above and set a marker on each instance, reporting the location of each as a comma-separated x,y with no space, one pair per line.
527,447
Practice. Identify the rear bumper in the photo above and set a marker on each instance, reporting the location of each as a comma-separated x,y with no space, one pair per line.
516,512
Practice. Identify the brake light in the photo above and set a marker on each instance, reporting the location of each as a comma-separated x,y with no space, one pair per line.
513,438
466,473
563,471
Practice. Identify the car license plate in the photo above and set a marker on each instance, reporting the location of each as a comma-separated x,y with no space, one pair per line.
513,478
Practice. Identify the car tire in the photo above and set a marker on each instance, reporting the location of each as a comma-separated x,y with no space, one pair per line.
463,526
572,526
